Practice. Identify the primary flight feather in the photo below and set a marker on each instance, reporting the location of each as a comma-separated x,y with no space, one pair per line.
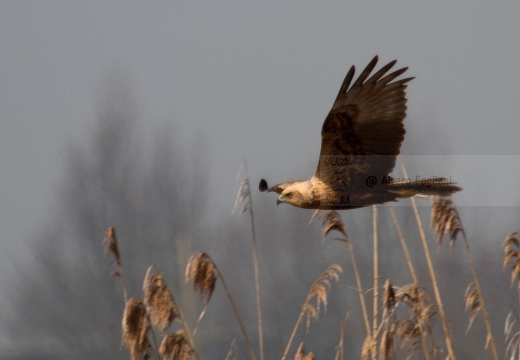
360,140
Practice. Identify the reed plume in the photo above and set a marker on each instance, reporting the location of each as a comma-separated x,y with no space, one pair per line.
389,300
302,355
159,300
511,247
203,272
473,304
135,328
175,347
408,332
162,309
112,247
331,221
512,337
418,300
318,292
417,310
422,312
386,347
445,220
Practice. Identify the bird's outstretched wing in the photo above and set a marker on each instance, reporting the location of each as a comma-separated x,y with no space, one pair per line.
365,124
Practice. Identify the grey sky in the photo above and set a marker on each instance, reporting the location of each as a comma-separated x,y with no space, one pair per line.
255,79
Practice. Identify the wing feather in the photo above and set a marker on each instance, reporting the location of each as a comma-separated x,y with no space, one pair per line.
366,121
371,65
384,70
346,82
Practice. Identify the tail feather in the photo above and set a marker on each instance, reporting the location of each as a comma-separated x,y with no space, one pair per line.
425,187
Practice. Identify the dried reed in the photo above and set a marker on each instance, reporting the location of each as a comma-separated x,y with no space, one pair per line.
159,301
418,300
135,328
403,245
198,271
511,247
111,246
302,355
447,333
512,337
445,220
319,292
386,346
244,201
408,331
422,312
416,283
332,222
368,345
389,301
341,345
473,304
376,282
161,308
201,271
233,351
175,347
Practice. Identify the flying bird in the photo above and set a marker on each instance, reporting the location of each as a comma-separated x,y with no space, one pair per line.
360,140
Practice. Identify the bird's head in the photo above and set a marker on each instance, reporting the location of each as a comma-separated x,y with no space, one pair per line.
296,195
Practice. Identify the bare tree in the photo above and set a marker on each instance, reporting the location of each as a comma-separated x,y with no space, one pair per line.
65,304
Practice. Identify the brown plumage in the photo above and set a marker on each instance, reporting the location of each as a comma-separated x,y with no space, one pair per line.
360,140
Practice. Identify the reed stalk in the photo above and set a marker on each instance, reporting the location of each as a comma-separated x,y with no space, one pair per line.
237,314
416,282
447,333
375,304
319,291
245,200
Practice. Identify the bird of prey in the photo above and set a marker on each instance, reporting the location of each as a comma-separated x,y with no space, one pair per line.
360,140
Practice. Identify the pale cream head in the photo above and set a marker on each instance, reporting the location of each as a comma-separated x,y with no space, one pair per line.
297,195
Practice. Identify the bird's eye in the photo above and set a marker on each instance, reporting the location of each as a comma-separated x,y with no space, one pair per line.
289,194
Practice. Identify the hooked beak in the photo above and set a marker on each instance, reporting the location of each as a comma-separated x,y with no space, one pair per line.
279,201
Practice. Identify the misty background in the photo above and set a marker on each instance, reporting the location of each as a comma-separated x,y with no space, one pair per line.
140,116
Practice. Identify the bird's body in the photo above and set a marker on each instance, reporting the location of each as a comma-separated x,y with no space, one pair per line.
361,138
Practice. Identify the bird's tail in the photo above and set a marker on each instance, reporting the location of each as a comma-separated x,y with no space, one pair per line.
424,187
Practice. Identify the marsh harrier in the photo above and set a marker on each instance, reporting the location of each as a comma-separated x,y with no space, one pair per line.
360,140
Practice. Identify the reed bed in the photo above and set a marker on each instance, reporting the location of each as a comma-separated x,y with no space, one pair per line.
400,325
